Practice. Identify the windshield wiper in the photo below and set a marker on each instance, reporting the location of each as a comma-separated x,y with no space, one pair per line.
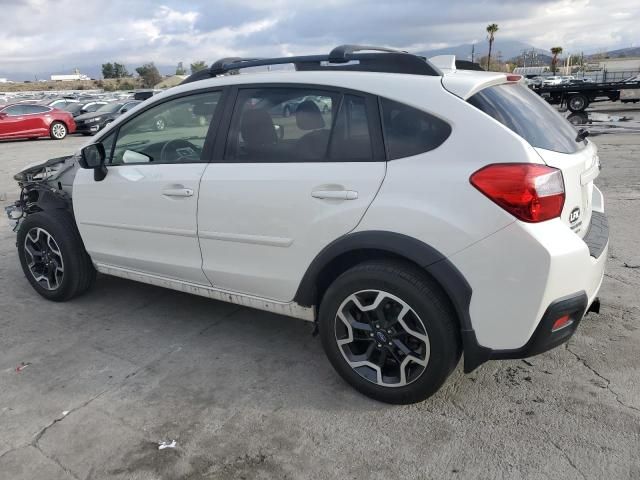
582,134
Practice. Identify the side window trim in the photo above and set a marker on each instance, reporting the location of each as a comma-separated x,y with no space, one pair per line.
371,102
207,148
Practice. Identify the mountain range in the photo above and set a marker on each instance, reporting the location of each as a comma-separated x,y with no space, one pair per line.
502,49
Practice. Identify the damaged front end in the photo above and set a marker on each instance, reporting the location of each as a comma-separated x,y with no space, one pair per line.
43,186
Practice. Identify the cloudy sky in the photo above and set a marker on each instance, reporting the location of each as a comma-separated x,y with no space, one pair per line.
45,35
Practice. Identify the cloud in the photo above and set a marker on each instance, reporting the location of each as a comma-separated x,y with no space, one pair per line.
44,36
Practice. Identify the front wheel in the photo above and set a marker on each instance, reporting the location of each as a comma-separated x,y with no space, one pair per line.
389,330
58,130
53,257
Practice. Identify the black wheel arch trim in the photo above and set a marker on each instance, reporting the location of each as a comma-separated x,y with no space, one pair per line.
435,264
457,289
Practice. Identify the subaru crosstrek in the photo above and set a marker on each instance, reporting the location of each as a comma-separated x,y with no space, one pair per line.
423,212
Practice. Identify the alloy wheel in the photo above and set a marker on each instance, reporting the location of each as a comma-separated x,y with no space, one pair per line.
44,259
59,130
382,338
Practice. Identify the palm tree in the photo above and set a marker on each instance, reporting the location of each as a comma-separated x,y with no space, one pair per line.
491,30
554,61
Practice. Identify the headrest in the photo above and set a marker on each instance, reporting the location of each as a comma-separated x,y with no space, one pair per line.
308,116
257,128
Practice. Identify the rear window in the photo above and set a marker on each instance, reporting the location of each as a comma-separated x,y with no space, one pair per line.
528,115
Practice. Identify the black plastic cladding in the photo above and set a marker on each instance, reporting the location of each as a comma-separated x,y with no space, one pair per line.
390,61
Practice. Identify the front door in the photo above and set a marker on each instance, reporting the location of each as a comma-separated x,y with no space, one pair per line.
299,168
142,216
13,122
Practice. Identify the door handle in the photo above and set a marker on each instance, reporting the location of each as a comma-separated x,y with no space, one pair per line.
177,192
335,194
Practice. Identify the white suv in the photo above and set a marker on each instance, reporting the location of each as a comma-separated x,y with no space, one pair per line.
425,212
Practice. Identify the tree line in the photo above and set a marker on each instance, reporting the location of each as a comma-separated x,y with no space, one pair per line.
148,72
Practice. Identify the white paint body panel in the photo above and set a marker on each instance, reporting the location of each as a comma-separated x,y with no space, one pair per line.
260,226
126,221
516,273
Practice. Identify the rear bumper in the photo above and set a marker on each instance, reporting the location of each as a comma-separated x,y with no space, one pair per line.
523,279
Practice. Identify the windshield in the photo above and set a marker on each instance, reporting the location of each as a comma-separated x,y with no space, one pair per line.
527,114
110,107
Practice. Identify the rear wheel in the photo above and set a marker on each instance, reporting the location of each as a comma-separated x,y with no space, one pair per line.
53,257
58,130
577,103
389,331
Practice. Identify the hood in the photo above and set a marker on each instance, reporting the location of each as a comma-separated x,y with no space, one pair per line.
38,166
90,115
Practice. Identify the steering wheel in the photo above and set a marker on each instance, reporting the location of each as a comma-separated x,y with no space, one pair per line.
181,149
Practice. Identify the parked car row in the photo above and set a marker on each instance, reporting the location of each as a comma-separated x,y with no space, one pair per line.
556,80
56,117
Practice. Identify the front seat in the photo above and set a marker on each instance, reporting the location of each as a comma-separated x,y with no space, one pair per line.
313,145
259,134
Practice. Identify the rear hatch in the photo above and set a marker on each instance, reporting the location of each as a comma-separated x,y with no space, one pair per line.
555,140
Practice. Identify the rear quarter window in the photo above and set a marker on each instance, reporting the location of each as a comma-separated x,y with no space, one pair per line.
525,113
409,131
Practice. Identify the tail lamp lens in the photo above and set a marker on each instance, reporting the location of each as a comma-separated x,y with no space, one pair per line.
528,191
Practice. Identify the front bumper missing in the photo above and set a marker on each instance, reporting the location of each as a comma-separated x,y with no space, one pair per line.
14,214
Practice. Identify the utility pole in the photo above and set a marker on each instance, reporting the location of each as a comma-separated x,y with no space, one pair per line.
473,51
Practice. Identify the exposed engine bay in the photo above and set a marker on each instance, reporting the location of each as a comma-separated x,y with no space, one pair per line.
44,186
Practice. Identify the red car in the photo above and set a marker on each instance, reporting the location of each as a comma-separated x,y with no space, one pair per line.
23,120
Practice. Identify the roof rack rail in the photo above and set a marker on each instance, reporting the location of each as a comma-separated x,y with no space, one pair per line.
341,58
343,52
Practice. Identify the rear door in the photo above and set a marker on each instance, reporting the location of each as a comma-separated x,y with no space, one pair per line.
285,185
35,119
555,140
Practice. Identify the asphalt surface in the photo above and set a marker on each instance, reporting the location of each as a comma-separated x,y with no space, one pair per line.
89,388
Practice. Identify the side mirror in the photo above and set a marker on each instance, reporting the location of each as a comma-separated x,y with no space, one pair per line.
3,115
124,110
93,156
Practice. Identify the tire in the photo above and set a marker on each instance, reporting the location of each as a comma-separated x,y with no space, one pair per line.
286,112
58,130
577,103
57,230
392,286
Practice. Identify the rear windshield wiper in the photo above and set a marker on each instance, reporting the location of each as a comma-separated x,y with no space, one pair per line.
582,134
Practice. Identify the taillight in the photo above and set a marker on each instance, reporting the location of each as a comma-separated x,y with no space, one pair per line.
528,191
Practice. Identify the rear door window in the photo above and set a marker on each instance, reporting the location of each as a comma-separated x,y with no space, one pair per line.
275,124
528,115
31,109
409,131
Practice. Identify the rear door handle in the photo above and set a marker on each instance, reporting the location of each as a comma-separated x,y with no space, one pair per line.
335,194
177,192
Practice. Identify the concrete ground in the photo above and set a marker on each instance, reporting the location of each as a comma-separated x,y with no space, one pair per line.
247,394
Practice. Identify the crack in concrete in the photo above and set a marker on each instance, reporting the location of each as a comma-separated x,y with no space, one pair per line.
57,462
615,394
567,457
